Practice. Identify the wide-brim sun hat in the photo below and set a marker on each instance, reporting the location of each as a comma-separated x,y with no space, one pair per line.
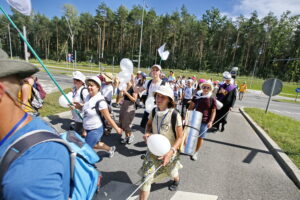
166,91
157,66
208,83
21,69
79,76
95,79
108,77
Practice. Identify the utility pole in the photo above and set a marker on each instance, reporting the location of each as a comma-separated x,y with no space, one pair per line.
99,47
8,26
140,50
25,45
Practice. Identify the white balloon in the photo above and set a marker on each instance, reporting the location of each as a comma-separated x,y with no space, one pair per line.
124,76
126,65
63,101
219,105
158,144
122,86
149,104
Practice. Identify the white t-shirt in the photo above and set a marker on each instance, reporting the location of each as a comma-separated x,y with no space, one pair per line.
91,120
76,98
188,93
107,91
153,87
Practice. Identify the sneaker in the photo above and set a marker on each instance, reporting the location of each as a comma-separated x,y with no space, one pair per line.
124,140
174,186
194,157
130,139
112,151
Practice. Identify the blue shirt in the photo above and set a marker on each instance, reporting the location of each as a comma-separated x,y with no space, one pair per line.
43,172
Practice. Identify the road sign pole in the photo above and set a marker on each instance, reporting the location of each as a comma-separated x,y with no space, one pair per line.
297,96
270,97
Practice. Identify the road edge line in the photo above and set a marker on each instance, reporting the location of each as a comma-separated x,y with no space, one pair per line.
284,161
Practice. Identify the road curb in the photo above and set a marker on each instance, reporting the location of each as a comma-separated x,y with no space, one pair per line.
285,162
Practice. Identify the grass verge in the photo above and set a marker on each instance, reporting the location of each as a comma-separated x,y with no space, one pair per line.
51,105
283,130
286,101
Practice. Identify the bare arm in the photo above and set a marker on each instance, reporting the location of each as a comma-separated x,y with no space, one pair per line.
212,118
26,90
107,116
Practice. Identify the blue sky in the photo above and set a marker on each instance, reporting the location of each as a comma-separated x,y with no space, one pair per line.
232,8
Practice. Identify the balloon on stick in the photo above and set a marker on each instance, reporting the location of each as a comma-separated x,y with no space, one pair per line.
124,76
149,104
158,144
122,86
126,65
63,101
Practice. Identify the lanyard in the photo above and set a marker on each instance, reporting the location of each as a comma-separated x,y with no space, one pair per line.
158,127
14,128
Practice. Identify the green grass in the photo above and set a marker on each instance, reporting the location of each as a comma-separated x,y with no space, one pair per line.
256,84
283,130
287,101
51,105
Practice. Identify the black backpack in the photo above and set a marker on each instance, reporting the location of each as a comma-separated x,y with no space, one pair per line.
81,93
99,113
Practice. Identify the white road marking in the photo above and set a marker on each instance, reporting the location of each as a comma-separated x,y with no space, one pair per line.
193,196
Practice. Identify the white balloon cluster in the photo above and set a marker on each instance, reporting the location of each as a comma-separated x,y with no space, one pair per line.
124,75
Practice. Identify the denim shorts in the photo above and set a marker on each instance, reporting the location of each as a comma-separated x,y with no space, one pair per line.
203,130
94,136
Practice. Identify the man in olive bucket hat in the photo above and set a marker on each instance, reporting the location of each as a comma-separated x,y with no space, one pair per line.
43,172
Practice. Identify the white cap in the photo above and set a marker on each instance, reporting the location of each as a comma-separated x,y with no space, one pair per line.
166,91
156,65
226,75
95,79
79,76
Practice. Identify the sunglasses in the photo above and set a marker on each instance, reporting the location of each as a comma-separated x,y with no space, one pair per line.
206,87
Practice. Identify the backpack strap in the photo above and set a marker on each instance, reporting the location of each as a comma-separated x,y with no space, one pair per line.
98,111
27,141
148,86
81,93
173,121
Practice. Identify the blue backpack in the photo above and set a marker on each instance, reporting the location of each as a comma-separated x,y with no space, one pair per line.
85,178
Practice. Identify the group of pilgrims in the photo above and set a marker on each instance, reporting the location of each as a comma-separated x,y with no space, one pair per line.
174,96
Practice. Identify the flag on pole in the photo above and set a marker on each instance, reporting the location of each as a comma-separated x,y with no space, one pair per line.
22,6
162,53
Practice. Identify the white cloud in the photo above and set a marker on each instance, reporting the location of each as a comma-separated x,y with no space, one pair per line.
263,7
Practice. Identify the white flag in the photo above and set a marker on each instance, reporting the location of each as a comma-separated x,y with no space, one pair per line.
162,53
23,6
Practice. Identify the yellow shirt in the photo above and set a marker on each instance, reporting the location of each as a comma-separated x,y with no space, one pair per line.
243,88
27,108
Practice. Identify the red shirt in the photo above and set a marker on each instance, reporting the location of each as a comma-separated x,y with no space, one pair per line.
204,106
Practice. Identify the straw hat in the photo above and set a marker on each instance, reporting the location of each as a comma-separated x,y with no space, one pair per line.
108,77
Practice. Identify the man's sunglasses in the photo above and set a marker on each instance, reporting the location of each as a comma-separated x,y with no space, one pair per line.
205,87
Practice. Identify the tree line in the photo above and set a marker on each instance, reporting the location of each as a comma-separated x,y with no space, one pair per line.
213,43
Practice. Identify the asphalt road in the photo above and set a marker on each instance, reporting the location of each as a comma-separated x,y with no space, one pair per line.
259,100
233,165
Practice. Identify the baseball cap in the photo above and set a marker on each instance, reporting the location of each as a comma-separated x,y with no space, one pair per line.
156,65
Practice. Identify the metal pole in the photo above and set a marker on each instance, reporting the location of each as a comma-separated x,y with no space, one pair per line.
140,50
25,46
273,86
8,26
113,64
75,59
99,51
256,61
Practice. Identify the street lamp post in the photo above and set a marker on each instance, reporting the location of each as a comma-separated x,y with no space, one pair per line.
255,64
99,48
140,50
